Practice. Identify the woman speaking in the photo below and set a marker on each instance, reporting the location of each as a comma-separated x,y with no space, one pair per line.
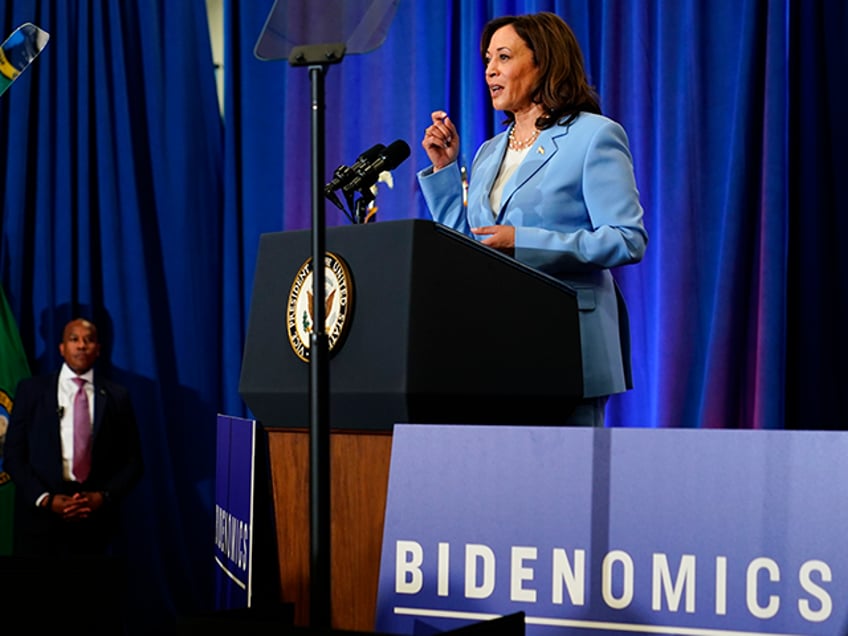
556,189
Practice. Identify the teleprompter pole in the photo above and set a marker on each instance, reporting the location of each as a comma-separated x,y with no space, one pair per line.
317,58
319,428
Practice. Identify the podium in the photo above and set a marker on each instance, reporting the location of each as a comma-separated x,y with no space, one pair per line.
440,330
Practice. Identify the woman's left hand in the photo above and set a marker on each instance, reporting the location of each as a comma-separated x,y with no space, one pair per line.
500,237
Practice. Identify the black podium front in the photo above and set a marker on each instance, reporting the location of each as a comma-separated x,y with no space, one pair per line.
443,330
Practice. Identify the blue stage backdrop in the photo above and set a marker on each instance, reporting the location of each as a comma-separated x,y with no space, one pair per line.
124,191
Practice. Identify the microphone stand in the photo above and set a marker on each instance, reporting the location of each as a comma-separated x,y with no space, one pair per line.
360,207
317,58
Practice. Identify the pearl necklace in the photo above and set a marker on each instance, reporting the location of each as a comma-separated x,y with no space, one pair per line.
521,145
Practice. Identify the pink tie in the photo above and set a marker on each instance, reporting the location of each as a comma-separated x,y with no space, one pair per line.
82,433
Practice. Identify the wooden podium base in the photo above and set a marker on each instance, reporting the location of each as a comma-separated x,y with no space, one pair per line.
359,475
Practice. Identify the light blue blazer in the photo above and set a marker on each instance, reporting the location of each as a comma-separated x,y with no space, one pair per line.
576,211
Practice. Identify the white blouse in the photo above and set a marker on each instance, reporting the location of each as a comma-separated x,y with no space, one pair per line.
512,159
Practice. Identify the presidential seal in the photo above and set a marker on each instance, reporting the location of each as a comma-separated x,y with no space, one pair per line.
338,302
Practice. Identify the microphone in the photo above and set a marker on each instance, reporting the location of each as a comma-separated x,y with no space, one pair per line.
344,174
60,412
389,159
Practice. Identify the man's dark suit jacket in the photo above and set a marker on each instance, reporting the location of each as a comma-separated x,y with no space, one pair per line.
33,458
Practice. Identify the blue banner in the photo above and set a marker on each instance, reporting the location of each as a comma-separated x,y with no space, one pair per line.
616,531
234,512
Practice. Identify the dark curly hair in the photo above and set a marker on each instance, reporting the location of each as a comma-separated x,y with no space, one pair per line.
563,90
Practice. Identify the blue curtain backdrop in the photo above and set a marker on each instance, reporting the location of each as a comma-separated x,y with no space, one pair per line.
112,195
125,193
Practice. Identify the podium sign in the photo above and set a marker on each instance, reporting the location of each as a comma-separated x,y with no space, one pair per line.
234,512
613,531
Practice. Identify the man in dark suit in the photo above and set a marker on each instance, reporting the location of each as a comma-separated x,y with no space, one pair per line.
73,452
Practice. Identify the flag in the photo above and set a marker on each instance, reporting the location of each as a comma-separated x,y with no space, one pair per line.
18,52
13,367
